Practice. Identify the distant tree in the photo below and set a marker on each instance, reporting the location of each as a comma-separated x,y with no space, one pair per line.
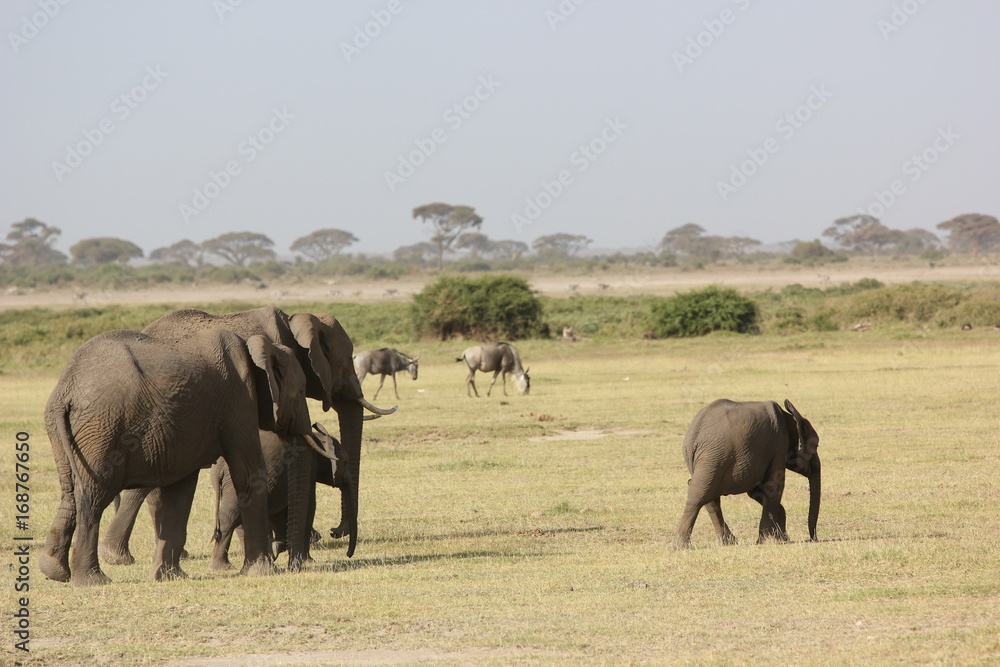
476,243
30,244
811,251
323,243
972,232
737,245
563,244
447,222
915,241
240,248
507,249
863,233
104,250
417,253
183,252
682,240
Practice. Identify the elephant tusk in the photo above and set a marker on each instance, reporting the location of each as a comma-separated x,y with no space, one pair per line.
368,418
317,448
378,411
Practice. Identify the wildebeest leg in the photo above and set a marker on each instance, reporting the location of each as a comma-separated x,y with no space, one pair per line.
492,383
471,382
503,382
394,390
381,379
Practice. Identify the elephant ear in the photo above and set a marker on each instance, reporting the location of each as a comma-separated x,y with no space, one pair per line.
306,329
263,354
808,441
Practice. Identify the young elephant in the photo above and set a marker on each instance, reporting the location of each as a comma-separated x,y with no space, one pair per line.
735,448
133,411
281,456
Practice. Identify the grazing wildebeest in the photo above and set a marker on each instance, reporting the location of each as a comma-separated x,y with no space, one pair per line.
499,358
386,361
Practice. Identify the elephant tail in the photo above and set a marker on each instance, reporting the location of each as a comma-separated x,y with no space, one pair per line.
64,434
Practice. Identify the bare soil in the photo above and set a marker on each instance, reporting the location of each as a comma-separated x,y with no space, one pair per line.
653,282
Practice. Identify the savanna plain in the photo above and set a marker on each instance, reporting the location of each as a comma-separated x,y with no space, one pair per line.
538,529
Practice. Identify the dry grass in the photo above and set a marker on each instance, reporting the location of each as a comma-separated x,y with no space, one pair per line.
481,545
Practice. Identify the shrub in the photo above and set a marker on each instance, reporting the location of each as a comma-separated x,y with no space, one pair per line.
911,302
487,308
700,312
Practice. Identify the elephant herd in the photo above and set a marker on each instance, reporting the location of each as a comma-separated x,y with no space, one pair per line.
137,415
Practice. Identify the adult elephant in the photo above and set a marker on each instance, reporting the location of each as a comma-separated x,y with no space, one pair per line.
280,452
133,411
324,352
733,448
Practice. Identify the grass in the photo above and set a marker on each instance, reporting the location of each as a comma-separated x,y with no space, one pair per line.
485,541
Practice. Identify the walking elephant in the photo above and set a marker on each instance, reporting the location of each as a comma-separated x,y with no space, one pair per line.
280,454
733,448
324,352
132,411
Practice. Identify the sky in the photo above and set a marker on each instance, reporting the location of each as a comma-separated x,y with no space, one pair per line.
161,121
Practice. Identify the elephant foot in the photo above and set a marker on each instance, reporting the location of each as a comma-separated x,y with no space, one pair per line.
729,539
168,574
219,565
681,543
314,536
277,547
91,578
115,555
261,567
184,554
56,569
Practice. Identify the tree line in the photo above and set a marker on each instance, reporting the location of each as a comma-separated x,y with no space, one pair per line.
455,231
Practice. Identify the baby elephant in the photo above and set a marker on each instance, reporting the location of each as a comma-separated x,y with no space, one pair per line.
320,457
745,447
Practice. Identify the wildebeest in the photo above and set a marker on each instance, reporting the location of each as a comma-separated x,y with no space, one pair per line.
386,361
499,358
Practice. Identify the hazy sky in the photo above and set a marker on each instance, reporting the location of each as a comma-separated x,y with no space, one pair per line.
158,121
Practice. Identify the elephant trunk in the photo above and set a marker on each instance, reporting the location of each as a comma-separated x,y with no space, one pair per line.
350,414
300,486
349,494
815,489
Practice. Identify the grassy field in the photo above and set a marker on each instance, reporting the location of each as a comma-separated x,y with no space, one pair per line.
537,529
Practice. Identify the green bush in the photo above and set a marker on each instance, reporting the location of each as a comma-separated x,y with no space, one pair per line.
700,312
910,302
486,308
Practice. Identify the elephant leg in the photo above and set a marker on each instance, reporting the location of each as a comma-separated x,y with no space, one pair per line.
251,490
381,379
714,508
171,508
114,548
772,516
682,538
227,522
84,564
53,560
279,532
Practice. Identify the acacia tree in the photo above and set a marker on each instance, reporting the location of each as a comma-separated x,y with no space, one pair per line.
104,250
322,244
563,244
475,242
682,240
447,223
972,231
863,233
183,252
239,248
417,253
30,244
507,248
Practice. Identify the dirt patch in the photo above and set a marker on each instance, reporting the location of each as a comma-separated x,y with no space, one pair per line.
583,434
370,657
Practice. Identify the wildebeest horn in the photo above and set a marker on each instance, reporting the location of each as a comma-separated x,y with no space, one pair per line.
378,411
317,448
